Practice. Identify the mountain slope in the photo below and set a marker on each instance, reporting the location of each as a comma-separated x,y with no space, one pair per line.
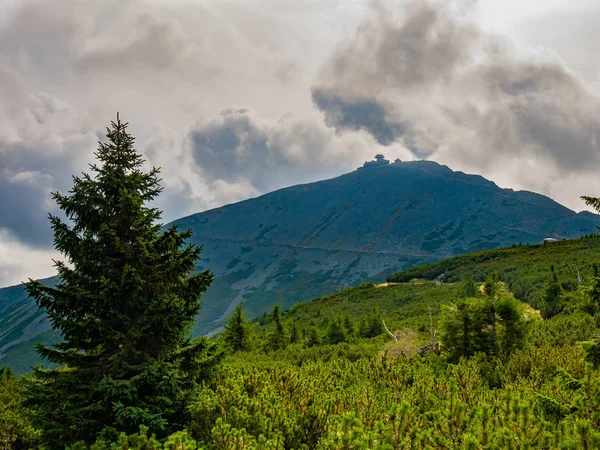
526,269
309,240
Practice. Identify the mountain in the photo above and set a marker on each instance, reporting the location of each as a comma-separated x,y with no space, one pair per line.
309,240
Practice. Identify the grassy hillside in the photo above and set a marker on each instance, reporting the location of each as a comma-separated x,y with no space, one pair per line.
526,269
376,393
405,305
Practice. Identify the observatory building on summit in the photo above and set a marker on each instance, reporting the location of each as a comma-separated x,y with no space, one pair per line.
379,161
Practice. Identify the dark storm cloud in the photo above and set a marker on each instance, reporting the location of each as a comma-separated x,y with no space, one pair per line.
232,145
425,77
23,199
357,115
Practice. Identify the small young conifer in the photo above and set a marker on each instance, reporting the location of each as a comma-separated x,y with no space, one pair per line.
278,338
238,331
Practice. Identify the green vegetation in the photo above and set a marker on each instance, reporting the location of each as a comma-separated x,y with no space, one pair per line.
525,269
15,430
237,333
532,386
493,325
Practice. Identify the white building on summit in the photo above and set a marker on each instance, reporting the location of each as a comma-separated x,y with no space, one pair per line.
379,161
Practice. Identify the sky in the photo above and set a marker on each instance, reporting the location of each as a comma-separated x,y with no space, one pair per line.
235,98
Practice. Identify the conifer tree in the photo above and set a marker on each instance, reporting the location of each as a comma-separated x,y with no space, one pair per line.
335,332
468,288
372,325
473,325
278,338
593,288
552,295
124,307
313,337
349,326
294,332
491,284
238,331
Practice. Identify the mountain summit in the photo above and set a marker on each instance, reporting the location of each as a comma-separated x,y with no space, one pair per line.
304,241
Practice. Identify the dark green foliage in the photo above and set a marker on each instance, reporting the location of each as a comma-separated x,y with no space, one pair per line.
349,326
552,296
15,430
371,325
335,332
491,284
490,325
312,337
277,338
124,307
468,287
513,325
294,333
238,331
595,287
592,290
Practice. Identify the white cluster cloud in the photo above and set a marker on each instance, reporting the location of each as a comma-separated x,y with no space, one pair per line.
233,99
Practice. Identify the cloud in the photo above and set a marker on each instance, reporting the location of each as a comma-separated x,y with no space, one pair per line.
19,262
424,77
43,141
573,33
357,114
240,147
163,61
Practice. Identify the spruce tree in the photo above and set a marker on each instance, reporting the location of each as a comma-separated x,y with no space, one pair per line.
491,284
552,296
349,326
468,288
371,326
238,331
335,332
294,332
278,338
124,307
313,337
593,288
